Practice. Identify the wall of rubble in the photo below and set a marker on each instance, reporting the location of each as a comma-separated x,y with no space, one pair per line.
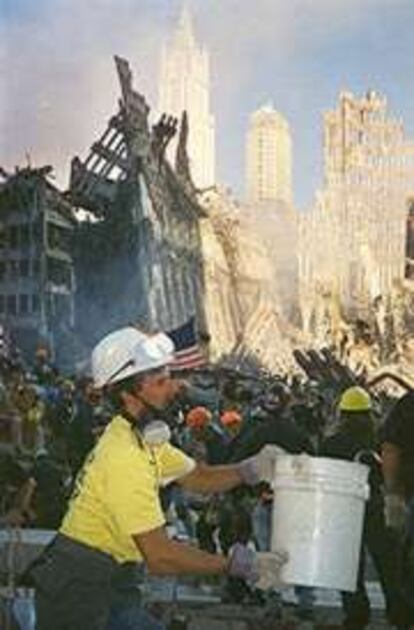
242,296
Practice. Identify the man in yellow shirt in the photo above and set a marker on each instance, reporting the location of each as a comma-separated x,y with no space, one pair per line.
115,516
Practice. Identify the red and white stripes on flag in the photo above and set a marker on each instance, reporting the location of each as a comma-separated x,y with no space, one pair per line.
188,354
188,359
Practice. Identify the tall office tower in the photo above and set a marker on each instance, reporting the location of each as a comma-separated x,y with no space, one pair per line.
185,86
269,157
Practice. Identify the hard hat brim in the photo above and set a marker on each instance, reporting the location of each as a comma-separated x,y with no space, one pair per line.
147,354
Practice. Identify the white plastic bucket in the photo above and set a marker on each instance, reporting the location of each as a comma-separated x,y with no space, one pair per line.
318,516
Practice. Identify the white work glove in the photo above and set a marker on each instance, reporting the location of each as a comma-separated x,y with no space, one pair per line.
258,569
270,565
261,467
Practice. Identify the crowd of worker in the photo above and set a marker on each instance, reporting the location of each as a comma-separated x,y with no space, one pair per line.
50,422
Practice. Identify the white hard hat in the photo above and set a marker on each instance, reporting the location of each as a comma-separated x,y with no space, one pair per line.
129,351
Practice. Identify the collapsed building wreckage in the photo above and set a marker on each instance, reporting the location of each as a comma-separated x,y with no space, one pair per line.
241,300
37,278
136,257
352,290
135,251
194,255
139,256
356,245
369,167
155,250
148,248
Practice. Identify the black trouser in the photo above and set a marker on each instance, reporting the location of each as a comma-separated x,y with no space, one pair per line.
378,542
407,563
73,587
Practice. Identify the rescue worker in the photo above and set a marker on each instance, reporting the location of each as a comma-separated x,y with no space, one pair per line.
115,516
204,444
207,443
355,440
232,422
278,428
398,467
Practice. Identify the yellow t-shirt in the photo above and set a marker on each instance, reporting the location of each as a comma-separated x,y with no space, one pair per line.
117,491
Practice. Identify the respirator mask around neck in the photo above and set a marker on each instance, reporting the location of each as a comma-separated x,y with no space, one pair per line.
153,427
156,433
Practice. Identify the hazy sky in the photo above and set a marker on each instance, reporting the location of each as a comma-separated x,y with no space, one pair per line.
59,86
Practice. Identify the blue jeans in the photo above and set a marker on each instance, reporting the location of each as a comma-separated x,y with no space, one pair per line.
262,525
306,597
132,617
127,612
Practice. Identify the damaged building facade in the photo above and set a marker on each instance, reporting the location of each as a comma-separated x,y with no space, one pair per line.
409,244
122,245
156,251
138,254
37,280
245,319
353,242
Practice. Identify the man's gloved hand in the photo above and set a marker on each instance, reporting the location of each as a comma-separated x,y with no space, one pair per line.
258,569
269,569
261,467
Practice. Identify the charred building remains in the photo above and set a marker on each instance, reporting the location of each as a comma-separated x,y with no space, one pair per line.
138,254
37,284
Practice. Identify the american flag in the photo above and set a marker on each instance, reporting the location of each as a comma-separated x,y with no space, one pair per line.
187,351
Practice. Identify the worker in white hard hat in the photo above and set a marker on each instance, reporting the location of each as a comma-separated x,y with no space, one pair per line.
115,516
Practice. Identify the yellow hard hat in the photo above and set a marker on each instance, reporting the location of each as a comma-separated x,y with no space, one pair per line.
355,399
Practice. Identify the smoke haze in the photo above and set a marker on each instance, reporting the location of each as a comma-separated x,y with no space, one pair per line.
59,84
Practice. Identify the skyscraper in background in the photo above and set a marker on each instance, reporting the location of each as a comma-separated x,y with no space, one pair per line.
268,157
184,84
